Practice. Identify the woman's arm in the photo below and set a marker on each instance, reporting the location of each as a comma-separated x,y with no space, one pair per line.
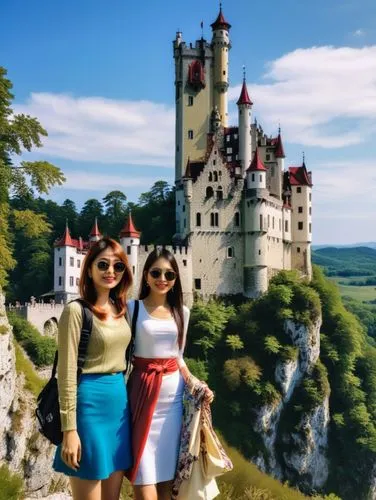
181,361
70,325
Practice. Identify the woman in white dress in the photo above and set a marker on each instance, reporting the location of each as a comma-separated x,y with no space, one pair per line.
157,381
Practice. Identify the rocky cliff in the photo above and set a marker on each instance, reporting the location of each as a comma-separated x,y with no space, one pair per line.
22,447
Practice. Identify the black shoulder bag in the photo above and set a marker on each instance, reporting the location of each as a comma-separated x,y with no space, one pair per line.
48,408
130,349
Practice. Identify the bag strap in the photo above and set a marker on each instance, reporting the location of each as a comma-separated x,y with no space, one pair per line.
130,348
87,325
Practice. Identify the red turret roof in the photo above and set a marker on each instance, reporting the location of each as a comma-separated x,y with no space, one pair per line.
299,176
129,231
256,164
244,97
95,231
220,22
65,240
279,151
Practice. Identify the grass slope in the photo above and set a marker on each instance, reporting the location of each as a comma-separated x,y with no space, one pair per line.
358,261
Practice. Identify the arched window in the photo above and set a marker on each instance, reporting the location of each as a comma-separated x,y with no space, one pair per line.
216,221
210,176
198,219
215,174
212,219
209,192
219,193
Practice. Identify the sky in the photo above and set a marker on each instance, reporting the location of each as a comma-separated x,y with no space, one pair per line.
99,75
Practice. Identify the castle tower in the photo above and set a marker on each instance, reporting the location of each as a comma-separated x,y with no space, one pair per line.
95,234
193,100
67,267
255,230
221,45
130,241
245,141
277,179
301,218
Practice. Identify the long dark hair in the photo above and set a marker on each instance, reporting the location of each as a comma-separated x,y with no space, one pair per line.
117,294
174,295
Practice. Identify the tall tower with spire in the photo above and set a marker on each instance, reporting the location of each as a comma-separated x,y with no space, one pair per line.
221,46
130,241
245,139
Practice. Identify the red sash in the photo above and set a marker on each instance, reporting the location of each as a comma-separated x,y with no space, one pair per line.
143,390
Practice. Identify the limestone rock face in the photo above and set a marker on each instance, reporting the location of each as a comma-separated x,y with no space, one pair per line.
22,447
307,457
308,444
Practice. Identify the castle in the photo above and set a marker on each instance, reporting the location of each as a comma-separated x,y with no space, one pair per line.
240,215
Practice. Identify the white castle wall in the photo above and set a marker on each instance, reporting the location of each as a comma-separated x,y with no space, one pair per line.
42,316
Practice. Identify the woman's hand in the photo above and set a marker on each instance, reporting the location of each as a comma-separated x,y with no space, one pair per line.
71,449
209,395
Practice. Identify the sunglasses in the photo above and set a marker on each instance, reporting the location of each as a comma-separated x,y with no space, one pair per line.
157,273
119,267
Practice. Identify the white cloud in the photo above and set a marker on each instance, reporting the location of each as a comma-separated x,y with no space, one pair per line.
359,33
88,181
322,96
104,130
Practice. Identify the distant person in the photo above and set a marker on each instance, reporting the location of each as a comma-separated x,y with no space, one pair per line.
157,381
95,417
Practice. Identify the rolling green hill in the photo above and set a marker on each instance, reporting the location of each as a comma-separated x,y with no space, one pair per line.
359,261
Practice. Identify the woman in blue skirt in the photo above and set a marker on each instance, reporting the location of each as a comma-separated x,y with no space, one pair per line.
95,418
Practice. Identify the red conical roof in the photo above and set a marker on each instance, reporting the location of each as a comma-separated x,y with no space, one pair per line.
129,231
65,240
244,97
220,22
256,164
279,151
95,231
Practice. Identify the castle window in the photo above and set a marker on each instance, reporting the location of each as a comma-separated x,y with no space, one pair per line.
259,252
268,158
128,250
300,226
215,152
298,189
71,261
210,177
60,281
190,134
178,203
273,222
286,226
298,249
209,192
184,263
212,219
300,210
71,281
261,223
230,252
310,196
216,219
197,284
77,281
183,208
198,219
219,193
253,177
310,227
237,219
310,210
235,136
60,261
215,175
133,269
190,100
224,72
229,151
260,178
228,138
229,159
78,263
214,162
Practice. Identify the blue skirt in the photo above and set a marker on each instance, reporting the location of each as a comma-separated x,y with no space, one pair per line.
104,427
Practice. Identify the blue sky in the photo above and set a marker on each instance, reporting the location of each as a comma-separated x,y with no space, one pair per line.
99,76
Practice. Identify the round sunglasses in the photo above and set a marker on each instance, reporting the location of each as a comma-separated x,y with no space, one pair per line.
157,273
119,267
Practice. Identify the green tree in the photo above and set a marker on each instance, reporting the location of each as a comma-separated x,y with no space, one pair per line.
91,210
115,203
19,133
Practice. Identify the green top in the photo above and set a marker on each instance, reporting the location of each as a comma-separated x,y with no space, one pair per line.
105,354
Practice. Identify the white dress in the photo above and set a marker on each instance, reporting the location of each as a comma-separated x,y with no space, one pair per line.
157,338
